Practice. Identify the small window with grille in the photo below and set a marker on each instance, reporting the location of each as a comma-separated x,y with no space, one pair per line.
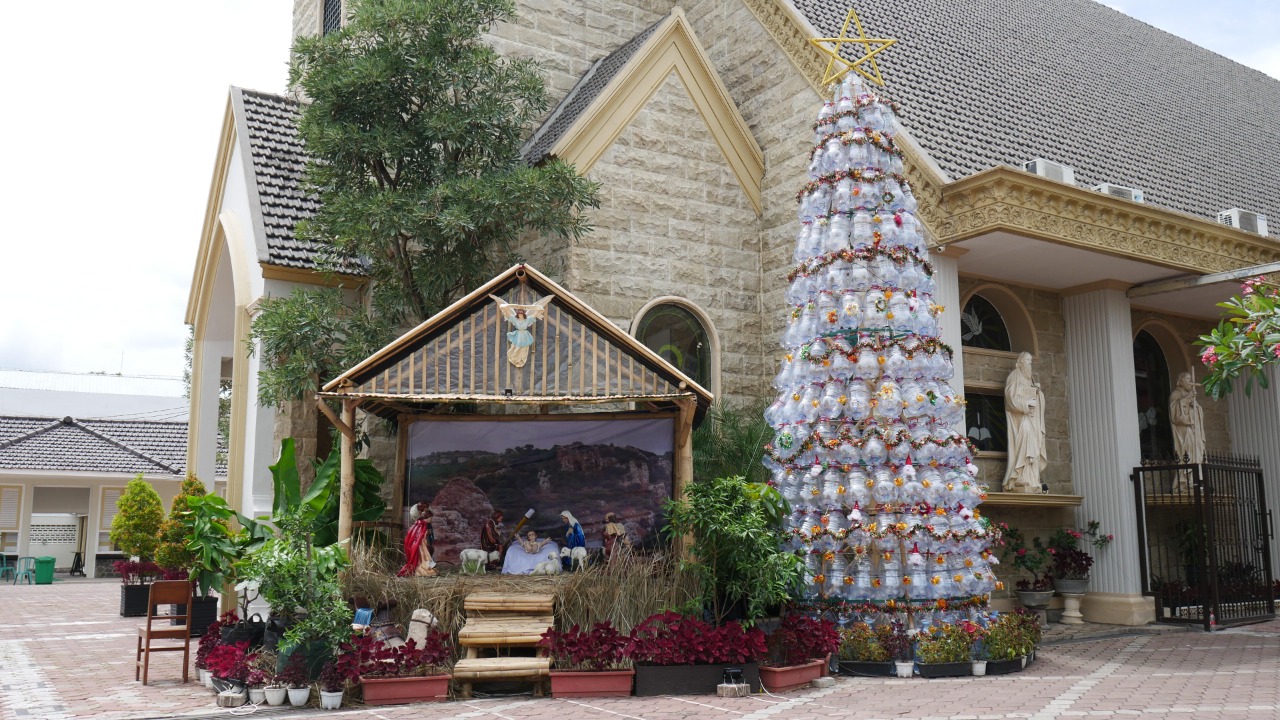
985,421
332,16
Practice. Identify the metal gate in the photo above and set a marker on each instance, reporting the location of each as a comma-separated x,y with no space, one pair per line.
1204,535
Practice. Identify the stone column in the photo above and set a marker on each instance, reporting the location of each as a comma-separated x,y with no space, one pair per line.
1105,446
1255,425
946,273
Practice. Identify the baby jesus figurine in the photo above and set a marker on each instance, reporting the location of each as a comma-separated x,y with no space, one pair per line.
531,544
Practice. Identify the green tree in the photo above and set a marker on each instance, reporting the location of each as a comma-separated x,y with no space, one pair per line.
413,131
172,552
730,441
139,512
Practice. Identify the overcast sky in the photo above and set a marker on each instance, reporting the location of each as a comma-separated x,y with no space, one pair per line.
112,113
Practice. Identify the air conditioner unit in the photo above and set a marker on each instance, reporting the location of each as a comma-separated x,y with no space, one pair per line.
1051,170
1245,220
1120,191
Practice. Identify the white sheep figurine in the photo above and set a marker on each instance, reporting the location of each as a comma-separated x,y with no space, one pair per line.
473,560
577,557
550,566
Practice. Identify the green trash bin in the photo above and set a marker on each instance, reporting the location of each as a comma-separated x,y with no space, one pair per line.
44,570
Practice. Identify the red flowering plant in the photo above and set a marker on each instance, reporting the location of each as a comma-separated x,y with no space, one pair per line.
673,639
1246,340
600,648
800,639
136,572
229,661
1067,560
212,638
366,656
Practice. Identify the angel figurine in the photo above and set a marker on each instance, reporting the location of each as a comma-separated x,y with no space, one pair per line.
521,317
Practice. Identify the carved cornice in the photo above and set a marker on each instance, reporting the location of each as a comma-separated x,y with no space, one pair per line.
792,34
1007,200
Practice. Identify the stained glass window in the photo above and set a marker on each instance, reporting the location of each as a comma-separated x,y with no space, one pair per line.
679,337
982,327
985,422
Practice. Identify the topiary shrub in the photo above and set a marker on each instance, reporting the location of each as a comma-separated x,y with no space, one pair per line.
136,528
172,553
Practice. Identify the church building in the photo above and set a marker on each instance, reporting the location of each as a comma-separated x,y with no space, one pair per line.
1090,187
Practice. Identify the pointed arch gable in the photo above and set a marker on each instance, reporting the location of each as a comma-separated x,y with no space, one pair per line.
671,48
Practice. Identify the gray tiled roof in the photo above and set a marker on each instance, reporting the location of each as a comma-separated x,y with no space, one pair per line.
108,446
581,96
278,159
998,82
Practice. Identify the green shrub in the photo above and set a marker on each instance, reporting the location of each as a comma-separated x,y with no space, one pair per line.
946,645
172,553
859,643
136,527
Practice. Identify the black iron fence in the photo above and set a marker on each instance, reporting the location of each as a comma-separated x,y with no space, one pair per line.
1204,538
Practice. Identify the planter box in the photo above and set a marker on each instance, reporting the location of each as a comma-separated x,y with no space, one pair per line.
203,612
937,670
133,600
402,691
791,677
866,669
690,679
1004,667
606,683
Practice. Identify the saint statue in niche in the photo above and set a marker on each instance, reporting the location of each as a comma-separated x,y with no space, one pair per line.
1187,417
1024,409
522,318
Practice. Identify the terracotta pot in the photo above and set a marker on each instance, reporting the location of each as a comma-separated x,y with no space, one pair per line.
791,677
604,683
402,691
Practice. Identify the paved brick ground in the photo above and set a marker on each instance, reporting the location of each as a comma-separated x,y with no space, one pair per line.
66,654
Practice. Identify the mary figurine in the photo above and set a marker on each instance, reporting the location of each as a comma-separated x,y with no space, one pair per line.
573,537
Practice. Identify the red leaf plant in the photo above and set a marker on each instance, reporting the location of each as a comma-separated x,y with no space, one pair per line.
800,639
601,648
673,639
212,638
365,656
136,572
230,661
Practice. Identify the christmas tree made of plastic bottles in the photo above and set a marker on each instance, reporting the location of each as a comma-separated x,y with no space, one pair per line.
865,447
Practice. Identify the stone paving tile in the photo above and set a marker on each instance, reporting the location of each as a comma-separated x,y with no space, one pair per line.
65,654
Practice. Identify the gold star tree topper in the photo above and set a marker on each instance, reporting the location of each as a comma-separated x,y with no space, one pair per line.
838,66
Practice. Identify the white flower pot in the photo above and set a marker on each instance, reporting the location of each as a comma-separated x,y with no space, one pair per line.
979,667
904,668
257,696
275,695
206,679
299,696
330,700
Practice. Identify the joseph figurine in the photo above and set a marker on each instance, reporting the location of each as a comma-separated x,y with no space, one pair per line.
1024,411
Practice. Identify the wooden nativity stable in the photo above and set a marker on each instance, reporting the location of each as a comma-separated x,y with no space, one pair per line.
520,339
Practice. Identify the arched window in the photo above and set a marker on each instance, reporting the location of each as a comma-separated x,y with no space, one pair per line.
1151,375
982,326
675,333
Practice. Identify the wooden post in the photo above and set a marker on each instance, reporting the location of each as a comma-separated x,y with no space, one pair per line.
348,472
682,474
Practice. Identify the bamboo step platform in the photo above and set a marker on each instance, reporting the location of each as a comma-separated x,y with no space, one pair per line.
500,622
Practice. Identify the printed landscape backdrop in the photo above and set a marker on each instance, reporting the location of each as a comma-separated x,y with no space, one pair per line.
466,469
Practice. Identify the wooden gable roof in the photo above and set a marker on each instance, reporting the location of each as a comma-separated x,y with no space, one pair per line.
462,355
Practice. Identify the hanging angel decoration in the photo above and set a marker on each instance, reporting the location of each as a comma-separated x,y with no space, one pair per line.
522,318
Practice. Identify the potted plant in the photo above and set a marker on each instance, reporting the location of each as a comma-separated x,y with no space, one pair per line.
135,531
896,642
862,653
1036,593
797,652
295,678
210,640
977,646
256,682
136,577
333,683
1028,623
589,663
943,652
1005,645
229,666
176,559
215,554
399,675
1070,564
680,655
1035,590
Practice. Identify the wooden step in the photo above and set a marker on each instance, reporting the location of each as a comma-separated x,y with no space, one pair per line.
509,602
501,668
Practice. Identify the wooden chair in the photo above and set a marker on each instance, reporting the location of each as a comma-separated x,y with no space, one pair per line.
165,592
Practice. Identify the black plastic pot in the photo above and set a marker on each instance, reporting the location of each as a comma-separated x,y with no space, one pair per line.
274,632
1004,667
690,679
133,600
315,654
866,669
954,669
203,612
250,630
